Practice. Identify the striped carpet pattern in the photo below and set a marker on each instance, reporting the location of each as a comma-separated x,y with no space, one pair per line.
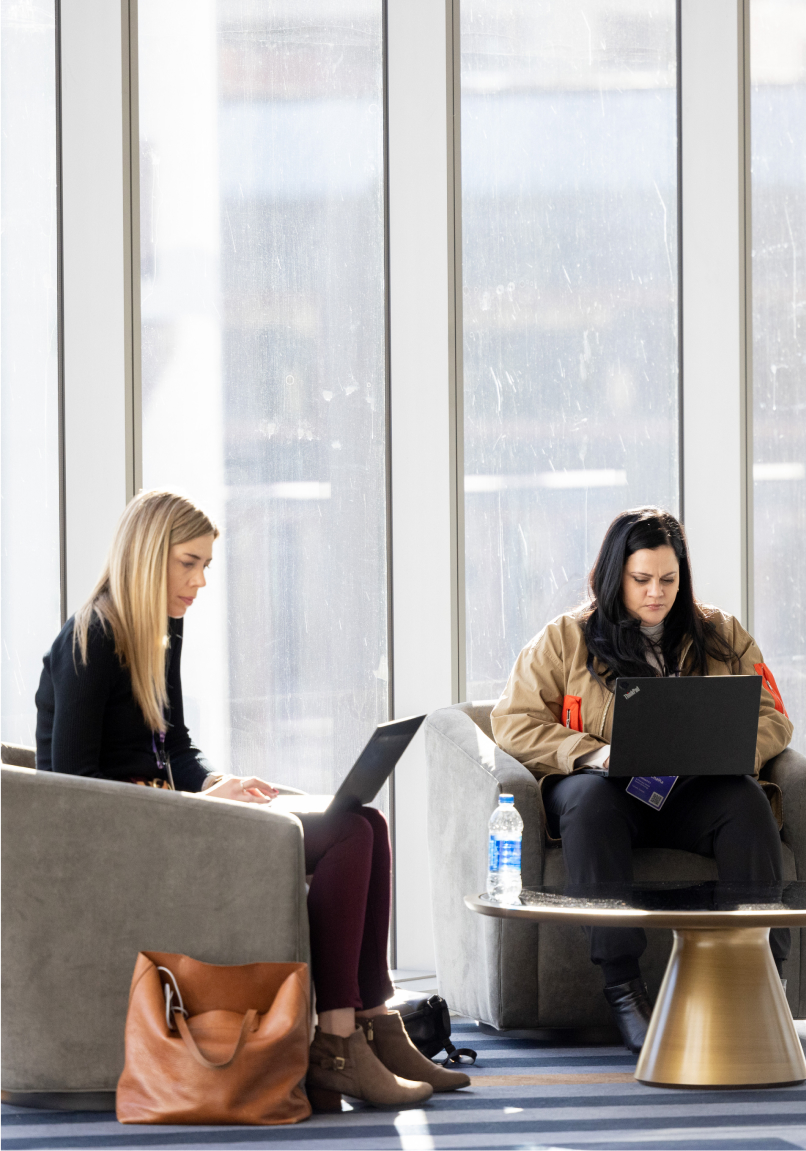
525,1094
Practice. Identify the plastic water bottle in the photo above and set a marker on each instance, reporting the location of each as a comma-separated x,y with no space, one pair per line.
506,832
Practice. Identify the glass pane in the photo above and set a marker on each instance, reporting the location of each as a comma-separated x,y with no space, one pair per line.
261,152
569,193
29,398
778,134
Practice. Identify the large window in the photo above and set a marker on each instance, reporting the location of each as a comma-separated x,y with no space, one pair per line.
29,407
570,267
778,135
264,395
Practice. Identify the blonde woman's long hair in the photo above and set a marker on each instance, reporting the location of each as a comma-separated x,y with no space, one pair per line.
131,597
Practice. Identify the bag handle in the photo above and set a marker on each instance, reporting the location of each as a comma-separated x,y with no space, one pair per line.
192,1047
460,1055
172,989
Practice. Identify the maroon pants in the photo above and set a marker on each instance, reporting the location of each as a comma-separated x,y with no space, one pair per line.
350,859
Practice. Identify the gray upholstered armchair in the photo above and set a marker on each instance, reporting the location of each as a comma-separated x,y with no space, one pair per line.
95,871
512,974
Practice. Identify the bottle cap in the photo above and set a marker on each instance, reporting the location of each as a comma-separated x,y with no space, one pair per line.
506,799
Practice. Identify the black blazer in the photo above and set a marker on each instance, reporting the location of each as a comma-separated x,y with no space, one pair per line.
89,724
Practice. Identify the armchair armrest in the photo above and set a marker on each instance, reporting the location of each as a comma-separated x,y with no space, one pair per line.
486,968
95,871
788,771
452,736
17,755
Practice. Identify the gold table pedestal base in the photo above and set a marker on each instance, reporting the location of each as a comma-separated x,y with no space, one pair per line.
721,1019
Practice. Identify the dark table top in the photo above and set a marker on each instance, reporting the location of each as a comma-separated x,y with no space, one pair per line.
678,904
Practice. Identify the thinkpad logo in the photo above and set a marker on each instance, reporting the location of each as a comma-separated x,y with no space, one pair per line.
630,694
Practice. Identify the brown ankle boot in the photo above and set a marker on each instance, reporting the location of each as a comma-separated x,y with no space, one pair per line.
388,1038
341,1066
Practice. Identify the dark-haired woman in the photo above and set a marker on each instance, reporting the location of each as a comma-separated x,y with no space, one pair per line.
555,716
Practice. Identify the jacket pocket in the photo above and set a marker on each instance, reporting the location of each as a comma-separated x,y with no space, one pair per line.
768,679
572,712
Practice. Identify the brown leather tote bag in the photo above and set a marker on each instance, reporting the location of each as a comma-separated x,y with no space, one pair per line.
210,1044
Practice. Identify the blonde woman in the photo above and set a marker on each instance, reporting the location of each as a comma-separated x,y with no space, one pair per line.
109,705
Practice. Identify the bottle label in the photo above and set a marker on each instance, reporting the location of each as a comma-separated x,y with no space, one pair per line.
505,854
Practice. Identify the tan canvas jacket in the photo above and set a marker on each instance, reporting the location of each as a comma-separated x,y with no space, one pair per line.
527,721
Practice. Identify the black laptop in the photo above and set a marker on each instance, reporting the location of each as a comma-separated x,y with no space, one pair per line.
685,725
367,775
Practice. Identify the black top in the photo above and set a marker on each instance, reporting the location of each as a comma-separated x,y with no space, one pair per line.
88,722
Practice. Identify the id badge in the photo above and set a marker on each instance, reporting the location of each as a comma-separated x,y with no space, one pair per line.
652,790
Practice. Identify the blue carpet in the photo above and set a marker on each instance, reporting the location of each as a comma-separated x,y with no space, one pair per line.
580,1112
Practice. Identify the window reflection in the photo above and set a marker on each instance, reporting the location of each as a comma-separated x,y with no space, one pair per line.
570,270
263,364
778,135
29,399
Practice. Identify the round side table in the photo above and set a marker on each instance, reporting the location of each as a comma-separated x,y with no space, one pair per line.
721,1018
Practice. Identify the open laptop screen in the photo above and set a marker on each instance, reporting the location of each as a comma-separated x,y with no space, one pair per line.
687,725
376,763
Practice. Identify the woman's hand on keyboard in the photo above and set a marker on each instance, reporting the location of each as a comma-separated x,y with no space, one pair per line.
243,789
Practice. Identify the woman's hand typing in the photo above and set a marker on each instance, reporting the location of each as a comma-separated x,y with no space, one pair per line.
244,790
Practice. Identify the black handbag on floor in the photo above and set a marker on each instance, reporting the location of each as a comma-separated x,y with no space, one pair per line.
428,1023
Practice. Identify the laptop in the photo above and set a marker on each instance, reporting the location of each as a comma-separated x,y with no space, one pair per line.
685,725
367,775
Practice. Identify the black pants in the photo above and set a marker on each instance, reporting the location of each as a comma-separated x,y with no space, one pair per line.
726,817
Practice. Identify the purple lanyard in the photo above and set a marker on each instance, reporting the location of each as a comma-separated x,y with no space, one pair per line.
163,760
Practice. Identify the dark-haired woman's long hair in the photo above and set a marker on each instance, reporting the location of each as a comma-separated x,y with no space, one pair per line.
613,636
